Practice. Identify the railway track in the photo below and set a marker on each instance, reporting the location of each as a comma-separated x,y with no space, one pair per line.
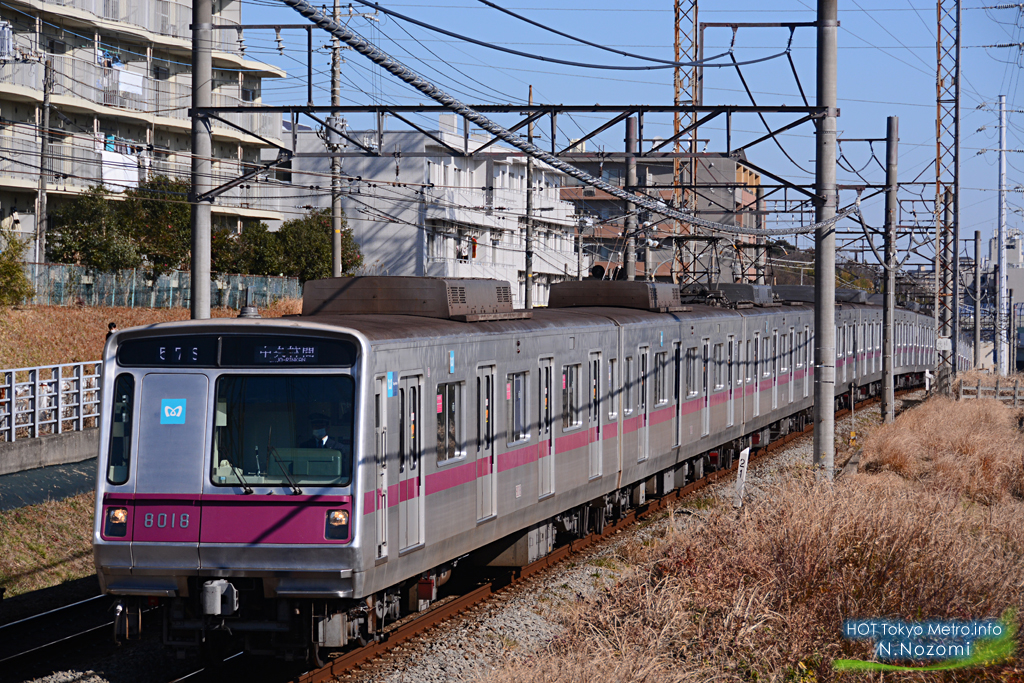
406,633
81,624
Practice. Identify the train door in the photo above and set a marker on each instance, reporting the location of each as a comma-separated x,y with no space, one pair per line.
791,361
705,405
643,407
755,368
677,393
380,433
410,470
594,418
775,369
731,379
171,456
546,457
486,498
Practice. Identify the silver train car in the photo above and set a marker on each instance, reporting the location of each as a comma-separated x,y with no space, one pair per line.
304,481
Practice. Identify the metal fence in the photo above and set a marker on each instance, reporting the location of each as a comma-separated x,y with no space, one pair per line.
49,399
63,285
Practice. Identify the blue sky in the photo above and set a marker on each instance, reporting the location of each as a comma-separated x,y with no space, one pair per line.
886,68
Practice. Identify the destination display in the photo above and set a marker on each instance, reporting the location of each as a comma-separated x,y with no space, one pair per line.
244,351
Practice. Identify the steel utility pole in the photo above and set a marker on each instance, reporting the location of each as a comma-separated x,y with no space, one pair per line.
1001,346
44,156
202,153
336,161
630,222
946,317
529,216
977,299
892,137
825,243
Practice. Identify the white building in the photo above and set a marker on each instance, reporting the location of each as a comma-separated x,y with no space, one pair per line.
120,98
413,213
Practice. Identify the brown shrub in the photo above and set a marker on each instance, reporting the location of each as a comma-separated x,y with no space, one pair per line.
41,335
762,595
970,448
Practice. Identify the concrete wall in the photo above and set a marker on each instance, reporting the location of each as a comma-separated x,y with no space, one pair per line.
48,450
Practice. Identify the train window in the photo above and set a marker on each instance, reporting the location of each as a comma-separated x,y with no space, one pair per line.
717,359
783,354
765,358
515,396
283,429
692,387
749,365
449,413
571,396
119,453
627,387
613,392
660,390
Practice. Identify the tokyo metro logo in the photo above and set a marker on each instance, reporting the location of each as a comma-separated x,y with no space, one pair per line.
172,411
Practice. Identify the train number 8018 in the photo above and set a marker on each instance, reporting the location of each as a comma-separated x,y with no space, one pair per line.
161,519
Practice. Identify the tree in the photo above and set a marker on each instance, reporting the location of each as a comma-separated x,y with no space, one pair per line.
15,287
256,251
306,247
89,231
158,215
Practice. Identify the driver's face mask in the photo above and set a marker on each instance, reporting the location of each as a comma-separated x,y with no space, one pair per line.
320,433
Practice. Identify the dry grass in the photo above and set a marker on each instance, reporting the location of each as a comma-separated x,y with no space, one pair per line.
47,544
41,335
971,448
987,379
761,595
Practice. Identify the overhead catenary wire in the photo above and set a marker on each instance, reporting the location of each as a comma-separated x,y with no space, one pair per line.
707,62
396,68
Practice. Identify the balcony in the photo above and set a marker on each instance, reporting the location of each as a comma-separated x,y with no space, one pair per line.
128,90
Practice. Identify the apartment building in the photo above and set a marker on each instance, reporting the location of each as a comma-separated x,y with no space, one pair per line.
727,192
446,216
119,102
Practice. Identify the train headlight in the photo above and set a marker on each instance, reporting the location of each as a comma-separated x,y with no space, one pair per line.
116,524
337,525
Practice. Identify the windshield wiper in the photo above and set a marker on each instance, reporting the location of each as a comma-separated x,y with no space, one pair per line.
245,485
273,453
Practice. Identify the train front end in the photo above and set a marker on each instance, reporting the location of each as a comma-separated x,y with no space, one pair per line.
227,483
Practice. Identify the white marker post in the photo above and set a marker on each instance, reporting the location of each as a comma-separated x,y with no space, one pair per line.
741,478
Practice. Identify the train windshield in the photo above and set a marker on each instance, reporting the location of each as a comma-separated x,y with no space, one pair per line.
282,430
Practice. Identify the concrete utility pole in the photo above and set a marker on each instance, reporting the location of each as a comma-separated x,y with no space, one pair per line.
336,161
630,223
977,299
892,136
202,153
44,156
529,216
1001,299
825,243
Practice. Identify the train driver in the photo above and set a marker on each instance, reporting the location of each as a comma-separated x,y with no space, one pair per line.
318,423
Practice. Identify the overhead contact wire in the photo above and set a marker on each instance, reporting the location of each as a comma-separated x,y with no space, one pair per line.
382,59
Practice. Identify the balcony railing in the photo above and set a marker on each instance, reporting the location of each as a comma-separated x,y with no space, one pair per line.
162,17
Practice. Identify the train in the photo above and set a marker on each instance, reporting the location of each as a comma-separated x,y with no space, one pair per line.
302,482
